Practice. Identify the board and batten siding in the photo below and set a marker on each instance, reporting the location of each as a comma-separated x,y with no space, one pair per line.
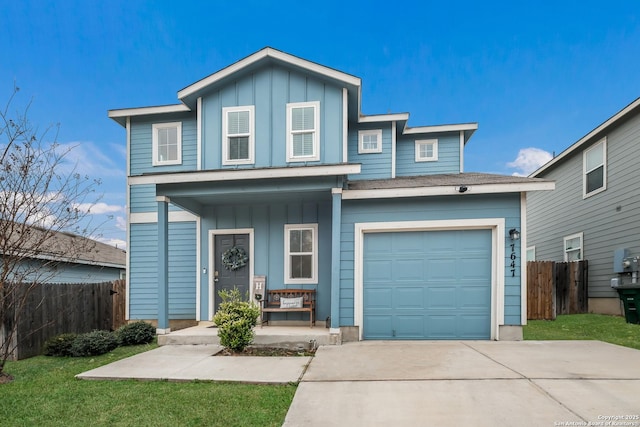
140,150
143,276
269,90
448,155
609,219
505,206
374,165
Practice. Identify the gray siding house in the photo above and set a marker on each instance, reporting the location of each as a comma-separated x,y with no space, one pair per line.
594,209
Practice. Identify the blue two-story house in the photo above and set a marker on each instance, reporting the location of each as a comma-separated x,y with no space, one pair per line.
270,159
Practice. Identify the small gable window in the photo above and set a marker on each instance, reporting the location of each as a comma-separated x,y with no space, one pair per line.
167,144
303,132
370,141
237,135
427,150
594,162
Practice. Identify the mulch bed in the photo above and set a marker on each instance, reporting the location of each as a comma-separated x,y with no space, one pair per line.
266,351
5,378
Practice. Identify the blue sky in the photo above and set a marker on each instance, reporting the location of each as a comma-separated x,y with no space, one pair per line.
536,76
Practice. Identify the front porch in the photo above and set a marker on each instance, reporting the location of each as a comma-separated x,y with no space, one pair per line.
272,336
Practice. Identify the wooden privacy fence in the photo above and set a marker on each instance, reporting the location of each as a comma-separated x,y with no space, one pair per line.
53,309
556,288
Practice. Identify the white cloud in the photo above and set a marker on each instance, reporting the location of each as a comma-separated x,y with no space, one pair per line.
98,208
121,223
118,243
529,160
86,158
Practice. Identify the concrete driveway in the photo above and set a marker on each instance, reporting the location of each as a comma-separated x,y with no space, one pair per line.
470,383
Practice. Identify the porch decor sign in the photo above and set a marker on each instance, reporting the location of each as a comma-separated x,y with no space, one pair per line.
234,258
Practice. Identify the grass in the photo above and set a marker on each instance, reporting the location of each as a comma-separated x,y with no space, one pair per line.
46,392
610,329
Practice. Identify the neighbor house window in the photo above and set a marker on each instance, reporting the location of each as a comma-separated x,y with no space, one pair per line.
167,144
427,150
303,132
237,135
531,253
301,253
573,247
594,161
370,141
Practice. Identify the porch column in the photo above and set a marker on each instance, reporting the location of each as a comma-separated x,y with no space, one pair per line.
163,265
336,226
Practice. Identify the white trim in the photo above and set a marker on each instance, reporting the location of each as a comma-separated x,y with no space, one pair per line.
564,246
383,118
368,132
461,151
313,280
450,190
586,195
345,125
393,149
272,53
225,137
212,250
146,111
523,259
497,227
434,144
618,116
316,131
440,128
198,270
164,199
225,175
152,217
154,140
199,134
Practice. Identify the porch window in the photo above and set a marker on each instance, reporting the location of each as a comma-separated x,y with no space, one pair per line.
303,131
370,141
427,150
573,247
594,162
301,253
237,135
166,144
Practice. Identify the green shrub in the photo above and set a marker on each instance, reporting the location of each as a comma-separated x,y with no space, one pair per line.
235,320
136,333
94,343
60,345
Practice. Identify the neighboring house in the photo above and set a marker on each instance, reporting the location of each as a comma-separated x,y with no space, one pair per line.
594,209
272,155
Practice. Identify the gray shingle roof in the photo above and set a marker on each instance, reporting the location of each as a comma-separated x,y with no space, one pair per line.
441,180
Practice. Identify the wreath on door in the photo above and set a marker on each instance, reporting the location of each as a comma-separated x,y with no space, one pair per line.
234,258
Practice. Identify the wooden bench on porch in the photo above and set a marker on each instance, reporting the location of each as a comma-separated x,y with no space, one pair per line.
288,301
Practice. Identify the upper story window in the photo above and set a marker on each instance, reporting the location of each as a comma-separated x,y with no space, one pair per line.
301,253
238,135
370,141
573,247
303,131
427,150
167,144
594,163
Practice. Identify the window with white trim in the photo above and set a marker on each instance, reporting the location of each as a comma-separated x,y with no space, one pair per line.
426,150
594,163
573,247
238,135
303,131
531,253
166,143
370,141
301,253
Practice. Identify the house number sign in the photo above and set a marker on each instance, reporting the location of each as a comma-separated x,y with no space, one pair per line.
513,260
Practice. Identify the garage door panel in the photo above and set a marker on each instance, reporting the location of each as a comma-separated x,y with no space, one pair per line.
427,285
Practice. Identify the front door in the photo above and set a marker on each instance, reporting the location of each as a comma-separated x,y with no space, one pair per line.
226,277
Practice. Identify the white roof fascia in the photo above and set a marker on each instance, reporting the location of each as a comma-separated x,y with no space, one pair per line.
621,114
440,128
383,118
237,174
273,53
145,111
390,193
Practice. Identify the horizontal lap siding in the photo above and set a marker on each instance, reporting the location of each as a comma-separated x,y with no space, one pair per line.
143,275
608,220
448,155
430,209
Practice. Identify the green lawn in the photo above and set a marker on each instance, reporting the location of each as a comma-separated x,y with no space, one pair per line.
585,327
45,392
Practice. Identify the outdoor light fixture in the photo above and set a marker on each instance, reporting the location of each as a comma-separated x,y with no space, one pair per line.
514,234
462,189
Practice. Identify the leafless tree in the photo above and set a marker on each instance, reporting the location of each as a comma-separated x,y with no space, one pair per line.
40,220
